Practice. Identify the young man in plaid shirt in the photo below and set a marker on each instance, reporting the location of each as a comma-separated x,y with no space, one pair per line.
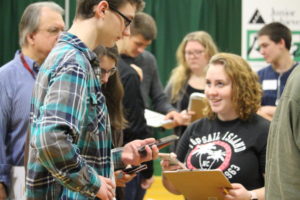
70,143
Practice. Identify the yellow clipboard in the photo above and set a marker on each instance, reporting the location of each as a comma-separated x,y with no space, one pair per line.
197,104
199,184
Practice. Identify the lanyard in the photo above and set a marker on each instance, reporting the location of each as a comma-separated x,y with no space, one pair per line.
26,66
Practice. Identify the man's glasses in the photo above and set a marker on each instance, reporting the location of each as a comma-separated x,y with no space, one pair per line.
127,21
53,30
110,72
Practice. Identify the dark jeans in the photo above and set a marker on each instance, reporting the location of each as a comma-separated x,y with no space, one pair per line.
133,189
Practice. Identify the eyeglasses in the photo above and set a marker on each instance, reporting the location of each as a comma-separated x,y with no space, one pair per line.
53,30
194,53
110,72
127,21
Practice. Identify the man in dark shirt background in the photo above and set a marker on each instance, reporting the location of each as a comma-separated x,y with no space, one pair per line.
138,71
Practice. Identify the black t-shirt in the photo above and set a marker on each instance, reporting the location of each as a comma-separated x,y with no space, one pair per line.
237,147
186,97
184,106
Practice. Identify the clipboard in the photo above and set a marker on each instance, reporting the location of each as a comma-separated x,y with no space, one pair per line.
199,184
197,104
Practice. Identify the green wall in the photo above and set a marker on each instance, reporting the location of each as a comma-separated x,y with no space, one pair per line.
175,18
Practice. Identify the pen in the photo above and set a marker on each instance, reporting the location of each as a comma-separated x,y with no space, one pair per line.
225,191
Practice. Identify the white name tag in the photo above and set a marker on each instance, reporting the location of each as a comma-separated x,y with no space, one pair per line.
269,85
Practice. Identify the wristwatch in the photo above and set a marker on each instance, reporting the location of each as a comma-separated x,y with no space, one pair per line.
253,195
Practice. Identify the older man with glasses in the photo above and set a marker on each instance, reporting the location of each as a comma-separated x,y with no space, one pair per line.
39,29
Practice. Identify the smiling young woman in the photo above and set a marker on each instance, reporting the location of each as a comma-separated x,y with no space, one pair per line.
232,137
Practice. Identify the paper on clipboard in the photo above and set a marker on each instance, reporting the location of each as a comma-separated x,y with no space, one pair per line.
199,184
155,119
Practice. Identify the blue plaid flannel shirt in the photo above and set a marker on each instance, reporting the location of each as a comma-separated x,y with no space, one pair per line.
70,141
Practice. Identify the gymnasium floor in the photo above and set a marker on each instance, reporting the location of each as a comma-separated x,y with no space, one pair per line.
158,192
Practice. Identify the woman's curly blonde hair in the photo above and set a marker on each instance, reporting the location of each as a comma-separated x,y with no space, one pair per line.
246,89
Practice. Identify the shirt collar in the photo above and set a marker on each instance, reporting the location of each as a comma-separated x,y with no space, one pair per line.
77,43
32,64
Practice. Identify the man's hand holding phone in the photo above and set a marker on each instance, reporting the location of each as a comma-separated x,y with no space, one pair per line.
132,156
160,143
138,151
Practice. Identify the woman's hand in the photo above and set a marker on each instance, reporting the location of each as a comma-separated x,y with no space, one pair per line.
237,192
186,117
166,166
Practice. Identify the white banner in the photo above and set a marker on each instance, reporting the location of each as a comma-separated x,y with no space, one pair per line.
257,13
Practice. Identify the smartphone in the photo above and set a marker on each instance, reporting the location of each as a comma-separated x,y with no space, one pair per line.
171,157
160,143
135,169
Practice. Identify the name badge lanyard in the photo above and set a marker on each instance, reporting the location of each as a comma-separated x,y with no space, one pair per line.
26,66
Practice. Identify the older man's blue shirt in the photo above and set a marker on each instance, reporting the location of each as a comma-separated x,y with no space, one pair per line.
16,85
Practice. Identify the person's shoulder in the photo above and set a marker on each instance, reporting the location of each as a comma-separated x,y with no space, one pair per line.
266,69
125,69
295,74
146,57
201,122
65,54
70,48
8,68
147,54
65,50
296,69
200,126
297,65
259,121
293,83
123,66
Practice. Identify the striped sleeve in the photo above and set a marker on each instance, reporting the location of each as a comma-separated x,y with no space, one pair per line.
62,113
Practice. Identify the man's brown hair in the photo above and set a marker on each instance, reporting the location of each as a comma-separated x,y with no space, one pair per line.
85,8
143,24
277,31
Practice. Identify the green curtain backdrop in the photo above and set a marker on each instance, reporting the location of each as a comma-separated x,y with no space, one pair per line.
175,18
